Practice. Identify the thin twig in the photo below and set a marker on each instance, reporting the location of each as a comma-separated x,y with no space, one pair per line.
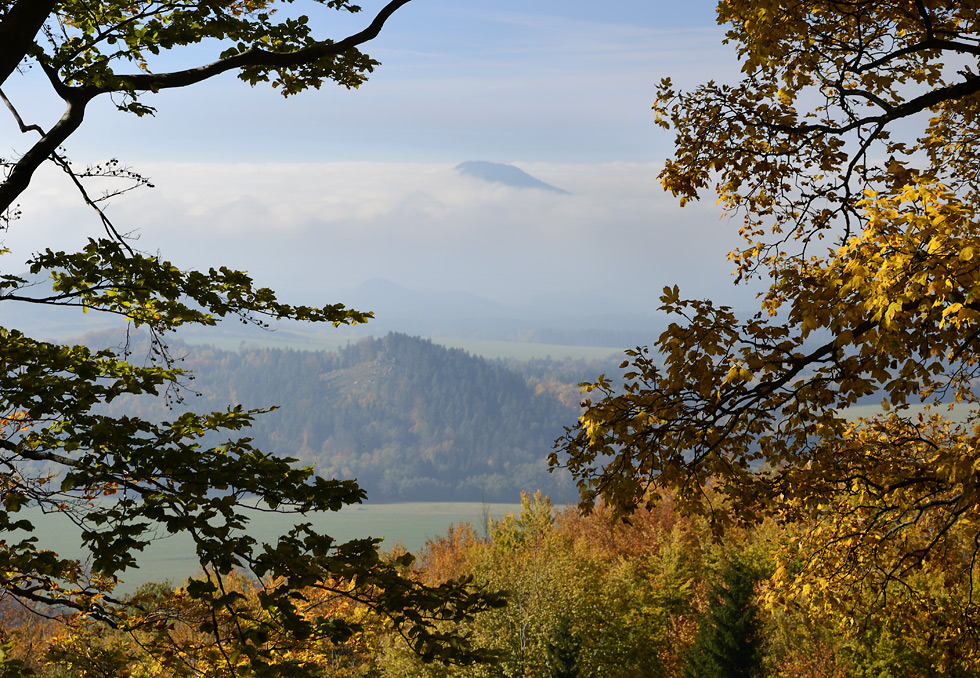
106,223
20,121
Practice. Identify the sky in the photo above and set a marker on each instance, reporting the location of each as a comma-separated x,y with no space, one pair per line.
317,193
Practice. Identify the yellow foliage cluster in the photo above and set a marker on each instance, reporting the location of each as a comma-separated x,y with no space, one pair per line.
166,633
848,151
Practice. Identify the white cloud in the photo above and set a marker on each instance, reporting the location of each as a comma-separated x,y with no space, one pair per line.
306,228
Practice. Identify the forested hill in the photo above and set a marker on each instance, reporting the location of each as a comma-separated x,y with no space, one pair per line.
409,419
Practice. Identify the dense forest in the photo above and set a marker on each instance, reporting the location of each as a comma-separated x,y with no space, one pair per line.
736,517
409,419
586,596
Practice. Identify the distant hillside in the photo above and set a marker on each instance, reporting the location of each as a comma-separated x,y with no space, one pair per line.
409,419
508,175
444,315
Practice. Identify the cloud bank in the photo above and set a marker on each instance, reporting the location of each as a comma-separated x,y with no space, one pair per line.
311,229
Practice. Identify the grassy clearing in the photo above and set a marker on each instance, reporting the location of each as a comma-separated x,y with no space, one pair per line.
525,350
331,341
173,557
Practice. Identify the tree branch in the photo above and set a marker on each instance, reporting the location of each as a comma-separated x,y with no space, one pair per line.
969,86
253,56
17,31
25,128
78,97
23,170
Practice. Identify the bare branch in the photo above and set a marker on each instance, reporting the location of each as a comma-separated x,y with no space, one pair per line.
20,121
106,223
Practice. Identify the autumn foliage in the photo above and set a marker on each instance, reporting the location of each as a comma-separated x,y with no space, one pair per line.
846,158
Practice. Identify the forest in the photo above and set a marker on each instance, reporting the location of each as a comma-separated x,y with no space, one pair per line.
408,419
586,596
734,516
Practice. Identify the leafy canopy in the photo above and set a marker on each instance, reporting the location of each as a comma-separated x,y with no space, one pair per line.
123,480
848,152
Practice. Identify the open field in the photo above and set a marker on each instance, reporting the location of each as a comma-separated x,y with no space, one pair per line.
520,350
331,341
172,557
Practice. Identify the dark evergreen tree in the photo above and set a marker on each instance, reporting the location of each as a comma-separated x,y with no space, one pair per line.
563,651
727,644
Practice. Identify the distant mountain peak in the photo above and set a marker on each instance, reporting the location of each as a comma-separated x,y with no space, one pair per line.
508,175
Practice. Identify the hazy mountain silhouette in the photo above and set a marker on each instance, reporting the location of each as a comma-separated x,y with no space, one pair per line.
389,299
442,313
508,175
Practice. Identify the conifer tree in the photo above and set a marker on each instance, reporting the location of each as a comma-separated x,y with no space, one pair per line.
563,651
847,153
728,641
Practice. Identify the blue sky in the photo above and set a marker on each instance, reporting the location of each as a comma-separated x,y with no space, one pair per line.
540,81
317,193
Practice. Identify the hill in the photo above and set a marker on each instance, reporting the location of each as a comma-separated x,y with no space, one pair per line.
508,175
409,419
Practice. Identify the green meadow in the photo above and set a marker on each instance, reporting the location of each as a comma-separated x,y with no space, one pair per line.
171,557
317,340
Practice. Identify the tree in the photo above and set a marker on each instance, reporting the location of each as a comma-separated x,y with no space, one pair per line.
728,641
123,479
586,596
848,149
562,651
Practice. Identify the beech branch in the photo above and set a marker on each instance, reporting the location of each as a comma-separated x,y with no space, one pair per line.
23,170
77,98
18,29
960,90
254,56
